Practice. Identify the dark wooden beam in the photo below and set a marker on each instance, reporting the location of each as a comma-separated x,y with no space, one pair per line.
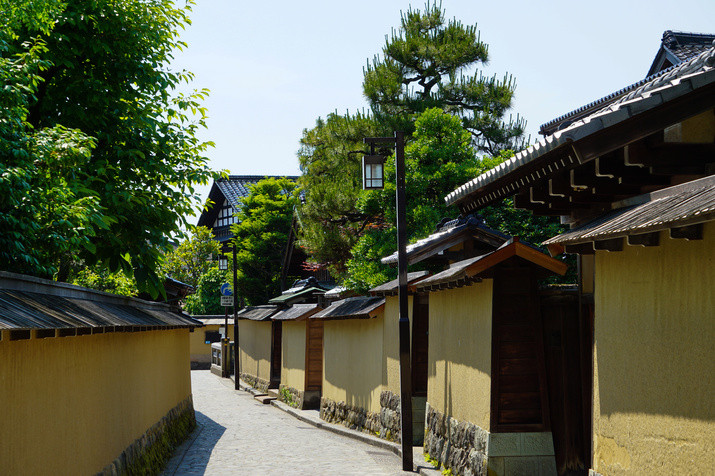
644,239
613,244
691,232
580,249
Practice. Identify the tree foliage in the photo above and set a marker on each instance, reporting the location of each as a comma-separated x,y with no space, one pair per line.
438,158
99,278
330,157
430,62
207,298
261,235
193,258
90,118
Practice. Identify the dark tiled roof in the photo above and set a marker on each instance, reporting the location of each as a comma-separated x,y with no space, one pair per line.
472,270
673,83
390,287
237,187
684,46
296,312
32,303
233,189
360,307
682,205
444,237
679,46
257,313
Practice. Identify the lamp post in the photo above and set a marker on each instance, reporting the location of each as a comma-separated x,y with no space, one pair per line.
237,375
373,176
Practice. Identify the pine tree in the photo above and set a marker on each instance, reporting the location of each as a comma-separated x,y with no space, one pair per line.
426,63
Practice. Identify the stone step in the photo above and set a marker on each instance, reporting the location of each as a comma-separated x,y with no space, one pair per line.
272,392
264,399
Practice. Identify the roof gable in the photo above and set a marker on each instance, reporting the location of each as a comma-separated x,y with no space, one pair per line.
232,189
679,46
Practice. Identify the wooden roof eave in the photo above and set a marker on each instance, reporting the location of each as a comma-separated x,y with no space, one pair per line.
516,248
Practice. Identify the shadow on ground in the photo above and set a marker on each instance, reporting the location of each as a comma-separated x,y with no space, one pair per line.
193,455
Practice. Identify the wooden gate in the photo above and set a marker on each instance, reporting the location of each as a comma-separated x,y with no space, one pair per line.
314,354
276,344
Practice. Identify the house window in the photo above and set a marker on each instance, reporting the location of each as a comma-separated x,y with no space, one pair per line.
225,215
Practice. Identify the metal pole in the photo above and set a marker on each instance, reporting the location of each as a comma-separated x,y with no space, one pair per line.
237,374
404,323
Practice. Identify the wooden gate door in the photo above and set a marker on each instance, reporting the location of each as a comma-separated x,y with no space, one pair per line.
568,357
276,344
314,354
420,344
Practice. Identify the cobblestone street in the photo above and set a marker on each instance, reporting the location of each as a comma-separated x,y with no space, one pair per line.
238,435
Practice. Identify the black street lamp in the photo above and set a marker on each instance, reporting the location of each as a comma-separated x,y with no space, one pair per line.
372,177
237,375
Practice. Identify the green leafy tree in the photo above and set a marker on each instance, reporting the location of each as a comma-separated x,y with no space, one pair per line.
207,298
193,258
438,159
98,277
261,235
330,157
91,109
431,62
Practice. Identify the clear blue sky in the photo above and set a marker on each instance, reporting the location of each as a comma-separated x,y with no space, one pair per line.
274,67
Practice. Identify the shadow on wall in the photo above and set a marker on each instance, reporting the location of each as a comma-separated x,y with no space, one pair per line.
195,452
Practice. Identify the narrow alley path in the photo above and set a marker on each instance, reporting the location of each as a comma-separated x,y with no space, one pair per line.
238,435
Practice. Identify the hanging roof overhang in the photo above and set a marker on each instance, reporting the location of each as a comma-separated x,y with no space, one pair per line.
682,209
448,235
473,270
588,165
359,307
390,288
28,303
257,313
297,312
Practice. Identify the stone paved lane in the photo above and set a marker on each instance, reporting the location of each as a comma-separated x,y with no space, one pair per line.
238,435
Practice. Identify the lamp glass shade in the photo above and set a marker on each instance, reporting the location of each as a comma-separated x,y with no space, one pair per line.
372,172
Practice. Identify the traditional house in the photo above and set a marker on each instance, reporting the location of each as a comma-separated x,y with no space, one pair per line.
259,349
632,173
91,382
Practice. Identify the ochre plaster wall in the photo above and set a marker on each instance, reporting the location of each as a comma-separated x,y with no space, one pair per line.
199,350
353,364
293,359
655,358
255,348
71,405
460,336
391,342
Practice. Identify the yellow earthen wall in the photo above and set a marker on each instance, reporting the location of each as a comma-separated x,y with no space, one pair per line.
199,350
655,358
71,405
460,335
293,359
255,348
391,342
353,364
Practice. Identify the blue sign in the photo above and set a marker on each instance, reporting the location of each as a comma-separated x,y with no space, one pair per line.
226,290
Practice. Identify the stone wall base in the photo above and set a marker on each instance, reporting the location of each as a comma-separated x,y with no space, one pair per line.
255,382
291,396
466,449
355,418
149,453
